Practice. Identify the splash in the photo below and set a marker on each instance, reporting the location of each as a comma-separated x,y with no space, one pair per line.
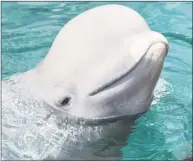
30,130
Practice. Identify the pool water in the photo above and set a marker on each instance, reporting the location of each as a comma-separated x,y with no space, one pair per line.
165,131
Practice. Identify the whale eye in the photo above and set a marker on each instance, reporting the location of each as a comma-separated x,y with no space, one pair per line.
63,102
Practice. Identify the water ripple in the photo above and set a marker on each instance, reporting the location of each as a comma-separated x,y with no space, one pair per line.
180,37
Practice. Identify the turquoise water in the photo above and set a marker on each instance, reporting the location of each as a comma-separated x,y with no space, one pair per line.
165,132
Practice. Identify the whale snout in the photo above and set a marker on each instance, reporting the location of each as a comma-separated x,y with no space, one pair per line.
130,92
146,48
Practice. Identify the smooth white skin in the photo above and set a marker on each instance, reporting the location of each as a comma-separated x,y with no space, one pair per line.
94,49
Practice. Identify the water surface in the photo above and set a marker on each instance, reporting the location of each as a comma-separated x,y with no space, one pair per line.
163,133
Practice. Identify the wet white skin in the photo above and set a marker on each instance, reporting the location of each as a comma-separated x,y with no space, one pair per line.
103,64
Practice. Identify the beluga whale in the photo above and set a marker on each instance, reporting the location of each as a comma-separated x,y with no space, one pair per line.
102,68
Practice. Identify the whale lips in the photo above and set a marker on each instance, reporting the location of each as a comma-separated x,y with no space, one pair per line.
109,84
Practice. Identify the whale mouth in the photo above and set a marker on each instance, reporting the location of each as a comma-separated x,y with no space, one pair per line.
116,81
120,79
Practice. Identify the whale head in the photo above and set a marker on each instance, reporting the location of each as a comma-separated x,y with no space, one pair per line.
104,63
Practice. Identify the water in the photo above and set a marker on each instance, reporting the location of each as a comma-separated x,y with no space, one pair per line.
163,133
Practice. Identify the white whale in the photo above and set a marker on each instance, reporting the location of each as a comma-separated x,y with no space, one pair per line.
104,64
106,61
